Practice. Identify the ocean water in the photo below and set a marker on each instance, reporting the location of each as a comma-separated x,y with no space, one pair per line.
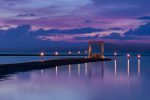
23,59
119,79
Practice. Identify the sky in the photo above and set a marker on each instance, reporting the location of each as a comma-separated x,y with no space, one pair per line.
59,24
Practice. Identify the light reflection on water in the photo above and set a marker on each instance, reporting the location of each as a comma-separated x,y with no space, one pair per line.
120,79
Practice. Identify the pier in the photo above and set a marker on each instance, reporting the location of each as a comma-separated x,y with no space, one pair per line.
6,69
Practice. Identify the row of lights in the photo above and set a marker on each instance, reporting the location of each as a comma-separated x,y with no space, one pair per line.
56,53
115,54
128,55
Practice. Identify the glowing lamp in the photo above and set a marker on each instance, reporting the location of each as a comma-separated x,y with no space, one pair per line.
79,52
115,54
128,55
56,53
69,52
86,51
138,56
42,54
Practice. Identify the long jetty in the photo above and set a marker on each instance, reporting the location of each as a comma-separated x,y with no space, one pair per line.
6,69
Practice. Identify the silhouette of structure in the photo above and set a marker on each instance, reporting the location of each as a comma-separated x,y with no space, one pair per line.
96,55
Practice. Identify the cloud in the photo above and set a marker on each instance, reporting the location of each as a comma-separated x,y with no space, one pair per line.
11,4
115,36
65,31
75,34
89,9
143,30
87,38
73,13
26,15
22,37
88,21
141,33
25,30
4,26
112,36
15,32
67,18
116,28
144,18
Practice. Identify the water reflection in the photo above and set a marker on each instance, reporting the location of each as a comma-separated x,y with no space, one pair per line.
90,70
128,73
139,71
42,72
128,67
69,70
78,69
82,70
97,80
56,70
139,67
86,69
115,67
42,58
102,69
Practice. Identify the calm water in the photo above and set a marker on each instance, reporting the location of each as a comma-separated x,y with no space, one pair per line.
120,79
22,59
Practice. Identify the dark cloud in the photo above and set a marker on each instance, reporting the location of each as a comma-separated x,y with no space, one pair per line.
140,33
25,30
117,36
111,36
116,28
11,4
16,38
26,15
144,18
88,21
18,31
143,30
87,38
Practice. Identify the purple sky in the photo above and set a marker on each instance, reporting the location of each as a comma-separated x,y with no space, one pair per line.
126,21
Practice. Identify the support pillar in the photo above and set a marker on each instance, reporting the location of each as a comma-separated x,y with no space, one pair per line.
90,51
102,50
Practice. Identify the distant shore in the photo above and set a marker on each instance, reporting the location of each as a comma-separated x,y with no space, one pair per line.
44,55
